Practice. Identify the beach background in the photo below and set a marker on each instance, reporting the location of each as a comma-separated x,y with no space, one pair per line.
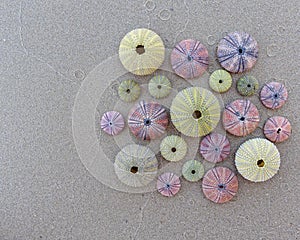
49,48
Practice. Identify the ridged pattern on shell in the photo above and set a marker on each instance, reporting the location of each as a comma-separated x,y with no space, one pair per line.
136,165
189,59
220,184
168,184
249,157
148,120
240,117
237,52
220,81
273,95
277,129
129,90
159,86
184,106
193,170
247,85
112,122
215,147
147,62
173,148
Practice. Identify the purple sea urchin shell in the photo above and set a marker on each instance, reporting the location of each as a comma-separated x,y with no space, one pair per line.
273,95
112,122
237,52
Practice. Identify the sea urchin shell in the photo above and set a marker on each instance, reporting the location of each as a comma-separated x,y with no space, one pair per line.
237,52
189,59
220,184
141,51
195,111
148,120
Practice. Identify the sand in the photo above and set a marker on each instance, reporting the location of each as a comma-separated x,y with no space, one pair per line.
49,49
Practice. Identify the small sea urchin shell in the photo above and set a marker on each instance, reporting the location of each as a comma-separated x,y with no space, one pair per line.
273,95
240,117
112,122
189,59
215,147
277,129
257,160
148,120
168,184
195,111
247,85
136,165
173,148
129,90
141,51
220,81
159,86
193,170
220,184
237,52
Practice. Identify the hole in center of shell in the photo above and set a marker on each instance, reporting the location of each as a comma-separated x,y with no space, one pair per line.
260,163
220,81
242,118
159,86
221,186
193,171
134,169
189,58
128,90
278,130
147,122
140,49
197,114
241,50
173,149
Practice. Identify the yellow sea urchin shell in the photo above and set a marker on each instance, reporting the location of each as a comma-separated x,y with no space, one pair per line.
141,51
220,81
129,90
195,111
257,160
159,86
136,165
173,148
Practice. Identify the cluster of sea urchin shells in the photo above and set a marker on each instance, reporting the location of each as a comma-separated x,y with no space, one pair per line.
195,112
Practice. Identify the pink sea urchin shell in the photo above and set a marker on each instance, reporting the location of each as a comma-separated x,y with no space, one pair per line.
220,184
277,129
168,184
215,147
148,120
240,117
189,59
